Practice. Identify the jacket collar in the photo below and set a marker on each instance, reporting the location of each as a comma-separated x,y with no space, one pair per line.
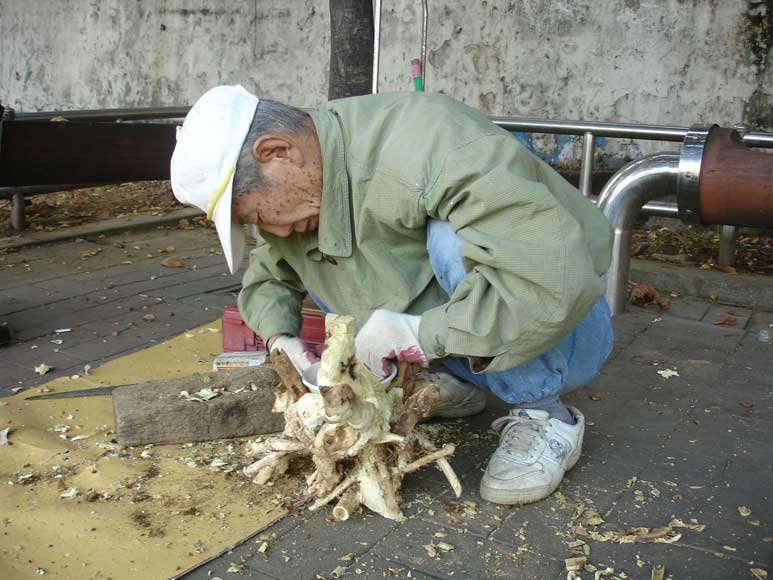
335,223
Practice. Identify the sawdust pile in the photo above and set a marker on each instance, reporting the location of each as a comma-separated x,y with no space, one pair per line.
74,504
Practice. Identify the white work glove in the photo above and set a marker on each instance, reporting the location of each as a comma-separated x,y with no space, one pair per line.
301,357
389,335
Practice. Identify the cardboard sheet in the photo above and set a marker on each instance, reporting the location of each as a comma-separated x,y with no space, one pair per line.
134,513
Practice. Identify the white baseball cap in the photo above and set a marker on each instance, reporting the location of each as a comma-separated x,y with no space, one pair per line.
204,160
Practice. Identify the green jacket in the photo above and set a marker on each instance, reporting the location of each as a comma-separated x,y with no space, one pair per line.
533,248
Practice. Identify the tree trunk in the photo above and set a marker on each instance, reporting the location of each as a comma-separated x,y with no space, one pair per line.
351,48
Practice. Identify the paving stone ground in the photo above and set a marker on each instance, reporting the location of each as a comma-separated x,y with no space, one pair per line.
696,446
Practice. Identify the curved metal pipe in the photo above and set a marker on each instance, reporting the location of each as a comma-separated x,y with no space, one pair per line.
621,201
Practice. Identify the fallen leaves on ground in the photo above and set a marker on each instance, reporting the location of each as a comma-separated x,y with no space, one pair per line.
697,246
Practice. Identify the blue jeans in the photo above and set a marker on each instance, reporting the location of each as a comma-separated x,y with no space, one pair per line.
573,362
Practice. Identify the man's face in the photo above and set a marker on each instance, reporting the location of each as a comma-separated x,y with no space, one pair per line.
291,203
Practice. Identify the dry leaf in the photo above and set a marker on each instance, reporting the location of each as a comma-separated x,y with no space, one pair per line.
746,403
728,320
658,571
172,263
167,250
744,511
149,317
90,253
712,297
642,294
668,373
594,397
728,270
759,573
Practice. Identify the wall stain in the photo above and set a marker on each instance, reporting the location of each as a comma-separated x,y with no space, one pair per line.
758,41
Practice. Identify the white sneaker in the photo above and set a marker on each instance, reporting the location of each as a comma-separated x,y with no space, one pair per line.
534,453
457,398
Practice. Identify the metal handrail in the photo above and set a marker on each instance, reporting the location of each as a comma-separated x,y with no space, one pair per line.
619,130
136,114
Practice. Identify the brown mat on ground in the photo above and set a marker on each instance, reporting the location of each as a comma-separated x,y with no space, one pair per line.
73,504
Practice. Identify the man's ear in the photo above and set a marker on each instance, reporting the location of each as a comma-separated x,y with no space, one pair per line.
273,147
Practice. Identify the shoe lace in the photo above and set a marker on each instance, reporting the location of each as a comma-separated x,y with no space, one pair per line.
518,434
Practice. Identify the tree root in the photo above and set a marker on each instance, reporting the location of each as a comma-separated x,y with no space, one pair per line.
360,434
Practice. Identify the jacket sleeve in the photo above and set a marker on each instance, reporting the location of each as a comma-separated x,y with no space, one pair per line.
530,273
272,294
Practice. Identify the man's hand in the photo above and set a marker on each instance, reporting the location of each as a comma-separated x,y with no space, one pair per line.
389,335
301,357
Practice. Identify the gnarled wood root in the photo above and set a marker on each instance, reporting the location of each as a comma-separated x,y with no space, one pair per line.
359,434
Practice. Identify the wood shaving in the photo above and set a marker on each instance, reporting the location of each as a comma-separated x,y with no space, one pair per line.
201,396
71,493
42,368
575,564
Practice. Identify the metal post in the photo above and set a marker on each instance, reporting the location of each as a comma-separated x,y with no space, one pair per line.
586,167
727,240
17,211
424,17
376,43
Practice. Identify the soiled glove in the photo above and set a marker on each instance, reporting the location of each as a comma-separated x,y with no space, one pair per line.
389,335
301,357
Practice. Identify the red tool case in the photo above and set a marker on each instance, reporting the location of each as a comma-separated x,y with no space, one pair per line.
238,337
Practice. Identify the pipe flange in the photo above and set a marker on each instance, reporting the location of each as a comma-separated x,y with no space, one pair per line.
688,194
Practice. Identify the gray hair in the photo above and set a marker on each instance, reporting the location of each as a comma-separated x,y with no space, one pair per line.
270,118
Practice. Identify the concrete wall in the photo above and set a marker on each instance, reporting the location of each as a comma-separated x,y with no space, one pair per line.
675,62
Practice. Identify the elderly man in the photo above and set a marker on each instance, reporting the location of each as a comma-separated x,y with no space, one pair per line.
450,244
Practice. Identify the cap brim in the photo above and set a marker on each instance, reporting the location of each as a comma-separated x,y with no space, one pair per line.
231,233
